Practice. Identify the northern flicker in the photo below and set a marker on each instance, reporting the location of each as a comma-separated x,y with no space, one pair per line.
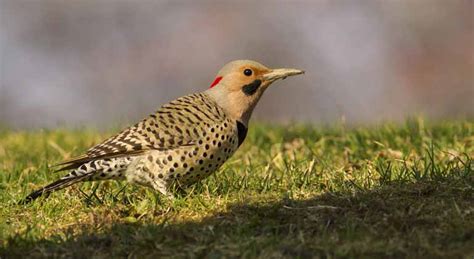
181,143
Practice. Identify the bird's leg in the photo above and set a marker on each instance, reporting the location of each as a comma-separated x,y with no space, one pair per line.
162,188
180,189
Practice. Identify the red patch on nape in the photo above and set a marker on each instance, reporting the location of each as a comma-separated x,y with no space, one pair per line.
216,81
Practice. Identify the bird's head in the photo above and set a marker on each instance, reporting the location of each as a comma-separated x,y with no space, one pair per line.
239,85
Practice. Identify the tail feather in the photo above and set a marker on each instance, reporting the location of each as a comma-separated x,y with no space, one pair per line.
93,170
52,187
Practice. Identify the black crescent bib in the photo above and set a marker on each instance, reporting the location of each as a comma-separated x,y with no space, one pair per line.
241,131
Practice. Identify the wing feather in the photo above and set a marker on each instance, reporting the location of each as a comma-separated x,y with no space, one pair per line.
174,125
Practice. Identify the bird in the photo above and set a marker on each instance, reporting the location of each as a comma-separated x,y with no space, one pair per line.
183,142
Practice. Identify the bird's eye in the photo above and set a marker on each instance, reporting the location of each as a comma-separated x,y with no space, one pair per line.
248,72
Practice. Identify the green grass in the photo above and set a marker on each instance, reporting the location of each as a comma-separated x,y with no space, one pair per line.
294,191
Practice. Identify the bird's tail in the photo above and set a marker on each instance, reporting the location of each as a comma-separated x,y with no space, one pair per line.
90,171
52,187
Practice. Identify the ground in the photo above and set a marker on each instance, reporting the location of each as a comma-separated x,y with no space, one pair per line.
389,190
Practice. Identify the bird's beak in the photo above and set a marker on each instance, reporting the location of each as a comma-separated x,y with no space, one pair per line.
281,73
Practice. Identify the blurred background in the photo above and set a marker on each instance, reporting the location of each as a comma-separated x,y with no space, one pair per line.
103,63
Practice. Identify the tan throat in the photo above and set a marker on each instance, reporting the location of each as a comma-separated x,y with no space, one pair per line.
235,104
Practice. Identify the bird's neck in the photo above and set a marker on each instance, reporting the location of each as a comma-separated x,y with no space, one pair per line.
234,107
